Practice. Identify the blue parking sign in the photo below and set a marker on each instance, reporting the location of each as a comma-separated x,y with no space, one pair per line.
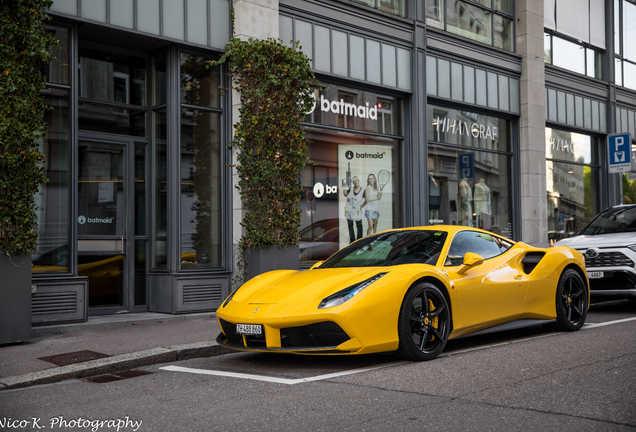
619,147
466,166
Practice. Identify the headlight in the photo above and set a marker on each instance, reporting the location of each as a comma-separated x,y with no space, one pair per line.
342,296
632,247
229,298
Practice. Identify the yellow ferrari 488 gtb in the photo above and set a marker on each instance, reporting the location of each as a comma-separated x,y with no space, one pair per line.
410,291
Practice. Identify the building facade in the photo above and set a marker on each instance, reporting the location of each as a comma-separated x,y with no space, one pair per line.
484,113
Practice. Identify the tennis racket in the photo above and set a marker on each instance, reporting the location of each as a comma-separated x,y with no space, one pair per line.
383,178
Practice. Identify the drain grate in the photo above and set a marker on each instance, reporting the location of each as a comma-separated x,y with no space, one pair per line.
73,357
115,376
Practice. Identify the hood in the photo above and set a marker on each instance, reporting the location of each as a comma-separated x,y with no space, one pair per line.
302,286
600,240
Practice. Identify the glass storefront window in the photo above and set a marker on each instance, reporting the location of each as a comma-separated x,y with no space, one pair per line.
356,109
200,164
469,188
53,203
465,128
469,181
572,182
199,84
110,119
111,77
350,191
200,189
467,20
568,55
58,71
160,192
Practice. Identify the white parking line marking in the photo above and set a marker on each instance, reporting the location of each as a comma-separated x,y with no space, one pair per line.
275,379
594,325
289,381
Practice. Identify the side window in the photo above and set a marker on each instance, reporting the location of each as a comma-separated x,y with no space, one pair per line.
471,241
504,245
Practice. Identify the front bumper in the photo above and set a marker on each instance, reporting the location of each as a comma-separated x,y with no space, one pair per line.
317,338
619,273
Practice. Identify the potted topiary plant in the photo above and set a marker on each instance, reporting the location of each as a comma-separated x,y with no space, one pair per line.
24,51
274,82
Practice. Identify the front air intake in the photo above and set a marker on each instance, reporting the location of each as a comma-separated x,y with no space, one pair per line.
323,334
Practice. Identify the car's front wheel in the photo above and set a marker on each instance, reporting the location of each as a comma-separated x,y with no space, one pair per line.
424,323
571,301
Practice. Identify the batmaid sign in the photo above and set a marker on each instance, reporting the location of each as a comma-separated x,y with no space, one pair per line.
342,107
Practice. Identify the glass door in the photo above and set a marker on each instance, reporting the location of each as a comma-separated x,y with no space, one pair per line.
103,223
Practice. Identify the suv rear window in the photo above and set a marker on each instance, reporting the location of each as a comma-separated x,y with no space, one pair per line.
613,220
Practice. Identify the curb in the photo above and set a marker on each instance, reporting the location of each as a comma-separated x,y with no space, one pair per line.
115,363
114,321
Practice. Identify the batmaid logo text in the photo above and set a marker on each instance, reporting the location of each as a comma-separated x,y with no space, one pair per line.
342,107
82,220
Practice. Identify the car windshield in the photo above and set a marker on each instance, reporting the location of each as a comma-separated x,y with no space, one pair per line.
613,220
390,248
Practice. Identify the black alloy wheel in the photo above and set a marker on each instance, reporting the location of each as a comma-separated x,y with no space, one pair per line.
571,301
424,323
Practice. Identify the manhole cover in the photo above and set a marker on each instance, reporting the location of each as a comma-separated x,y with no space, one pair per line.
117,376
74,357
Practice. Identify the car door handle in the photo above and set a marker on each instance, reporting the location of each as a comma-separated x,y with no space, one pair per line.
518,276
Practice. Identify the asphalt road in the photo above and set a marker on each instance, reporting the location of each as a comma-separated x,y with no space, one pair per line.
524,380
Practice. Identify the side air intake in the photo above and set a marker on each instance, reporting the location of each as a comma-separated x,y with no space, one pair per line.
531,260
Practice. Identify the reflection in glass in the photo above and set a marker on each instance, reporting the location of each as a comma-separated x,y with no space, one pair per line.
160,192
618,72
373,112
362,166
503,5
140,189
100,188
453,126
109,119
58,70
140,272
200,189
467,20
547,48
629,188
53,205
435,13
629,31
159,83
110,77
199,84
630,75
105,278
569,146
469,188
572,187
572,198
502,33
568,55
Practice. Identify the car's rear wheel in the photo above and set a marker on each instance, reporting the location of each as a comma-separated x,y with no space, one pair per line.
424,323
571,301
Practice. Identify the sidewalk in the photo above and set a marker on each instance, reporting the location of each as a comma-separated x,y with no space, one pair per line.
130,340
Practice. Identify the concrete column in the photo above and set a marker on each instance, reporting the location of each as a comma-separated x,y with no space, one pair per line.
256,19
534,206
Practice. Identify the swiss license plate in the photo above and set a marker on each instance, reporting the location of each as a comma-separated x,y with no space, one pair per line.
595,275
249,329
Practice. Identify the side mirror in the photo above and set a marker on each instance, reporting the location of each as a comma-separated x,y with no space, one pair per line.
470,260
318,264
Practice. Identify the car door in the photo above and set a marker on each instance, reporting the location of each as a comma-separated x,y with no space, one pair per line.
488,294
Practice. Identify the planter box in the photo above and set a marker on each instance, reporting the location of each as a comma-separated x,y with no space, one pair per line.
15,298
274,258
